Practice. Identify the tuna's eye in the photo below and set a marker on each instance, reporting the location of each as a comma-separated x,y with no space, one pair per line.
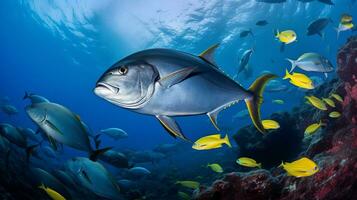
123,70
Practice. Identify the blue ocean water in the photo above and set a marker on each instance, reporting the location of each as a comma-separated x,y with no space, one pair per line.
59,49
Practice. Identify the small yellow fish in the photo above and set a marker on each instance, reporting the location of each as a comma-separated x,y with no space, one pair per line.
216,167
278,101
337,97
313,128
299,80
183,195
52,193
329,102
286,37
270,124
334,114
211,142
300,168
248,162
316,102
189,184
346,18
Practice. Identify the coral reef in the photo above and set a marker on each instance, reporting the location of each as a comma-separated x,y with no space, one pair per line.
334,149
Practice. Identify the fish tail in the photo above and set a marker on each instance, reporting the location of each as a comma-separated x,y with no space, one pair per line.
282,164
226,141
94,154
26,95
293,64
254,103
259,165
277,34
287,75
42,186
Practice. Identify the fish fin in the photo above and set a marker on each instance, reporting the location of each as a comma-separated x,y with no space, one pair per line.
97,141
52,143
325,75
208,54
226,141
213,117
259,165
42,186
53,126
320,34
282,47
277,33
171,126
26,95
282,164
287,75
94,154
293,64
254,103
176,77
29,151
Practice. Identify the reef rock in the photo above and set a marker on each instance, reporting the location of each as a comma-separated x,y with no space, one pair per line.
334,149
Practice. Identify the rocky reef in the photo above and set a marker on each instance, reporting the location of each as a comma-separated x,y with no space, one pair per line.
334,148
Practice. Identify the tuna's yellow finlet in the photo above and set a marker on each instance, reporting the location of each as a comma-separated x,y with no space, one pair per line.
215,167
52,193
299,80
311,129
211,142
248,162
334,114
270,124
189,184
300,168
329,102
316,102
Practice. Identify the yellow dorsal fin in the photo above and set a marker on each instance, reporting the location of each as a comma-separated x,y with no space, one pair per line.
208,54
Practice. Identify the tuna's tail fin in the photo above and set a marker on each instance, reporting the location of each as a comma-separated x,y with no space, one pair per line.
26,95
226,141
293,64
94,154
254,103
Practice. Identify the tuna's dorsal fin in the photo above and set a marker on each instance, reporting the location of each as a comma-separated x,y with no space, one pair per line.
171,126
176,77
208,54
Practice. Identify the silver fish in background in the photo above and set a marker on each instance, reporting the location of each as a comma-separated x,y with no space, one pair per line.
12,134
94,177
244,61
115,158
167,83
9,109
312,62
115,133
63,126
34,98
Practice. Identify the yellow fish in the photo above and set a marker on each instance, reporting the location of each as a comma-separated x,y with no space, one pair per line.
286,37
248,162
334,114
346,18
189,184
300,168
183,195
211,142
299,80
313,128
278,101
270,124
316,102
53,194
337,97
329,102
216,167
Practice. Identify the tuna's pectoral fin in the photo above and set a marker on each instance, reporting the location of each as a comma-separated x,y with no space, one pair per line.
52,126
176,77
254,103
171,126
208,54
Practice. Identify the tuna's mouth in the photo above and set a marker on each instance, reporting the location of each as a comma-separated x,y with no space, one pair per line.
107,86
